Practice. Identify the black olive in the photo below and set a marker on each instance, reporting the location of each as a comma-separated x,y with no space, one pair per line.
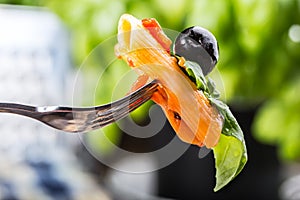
198,45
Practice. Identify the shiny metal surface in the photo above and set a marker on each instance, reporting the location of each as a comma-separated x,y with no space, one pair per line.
75,120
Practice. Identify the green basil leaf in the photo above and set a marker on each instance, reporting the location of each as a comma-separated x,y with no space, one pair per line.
230,158
230,153
230,126
195,73
211,86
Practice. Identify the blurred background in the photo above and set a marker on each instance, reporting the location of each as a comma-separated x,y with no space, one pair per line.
51,47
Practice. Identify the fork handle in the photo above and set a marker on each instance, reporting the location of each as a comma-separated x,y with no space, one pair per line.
19,109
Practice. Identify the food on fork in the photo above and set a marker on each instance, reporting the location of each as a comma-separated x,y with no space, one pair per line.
188,99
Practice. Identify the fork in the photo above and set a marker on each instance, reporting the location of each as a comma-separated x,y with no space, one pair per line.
79,120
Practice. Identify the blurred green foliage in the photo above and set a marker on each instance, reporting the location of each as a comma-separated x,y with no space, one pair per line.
259,61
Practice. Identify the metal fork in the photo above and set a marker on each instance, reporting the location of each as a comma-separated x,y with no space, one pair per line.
76,120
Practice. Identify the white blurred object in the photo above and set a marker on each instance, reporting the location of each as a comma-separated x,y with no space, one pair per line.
34,64
36,161
134,186
290,188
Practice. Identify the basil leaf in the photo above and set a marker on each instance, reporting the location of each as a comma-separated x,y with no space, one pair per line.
230,158
230,153
230,126
211,86
195,73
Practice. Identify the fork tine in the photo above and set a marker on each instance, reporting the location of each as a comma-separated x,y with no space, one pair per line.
125,106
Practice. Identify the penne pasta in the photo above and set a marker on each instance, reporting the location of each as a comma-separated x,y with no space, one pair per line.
145,48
